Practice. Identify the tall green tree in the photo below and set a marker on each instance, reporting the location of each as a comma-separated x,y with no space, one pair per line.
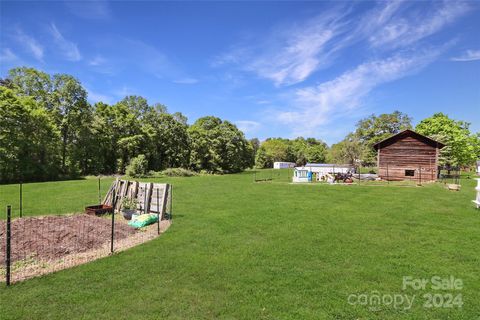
168,143
299,151
347,151
33,83
461,145
66,100
132,127
255,145
218,146
377,128
263,159
308,150
105,135
275,149
29,140
73,115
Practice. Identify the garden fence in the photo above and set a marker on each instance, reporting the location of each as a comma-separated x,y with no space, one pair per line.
46,229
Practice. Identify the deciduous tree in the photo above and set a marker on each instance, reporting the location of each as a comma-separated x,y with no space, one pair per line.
461,146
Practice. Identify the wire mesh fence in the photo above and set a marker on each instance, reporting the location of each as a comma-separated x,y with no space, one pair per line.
46,229
273,175
32,199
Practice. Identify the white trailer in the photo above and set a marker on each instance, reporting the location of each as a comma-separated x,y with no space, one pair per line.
325,168
320,171
283,165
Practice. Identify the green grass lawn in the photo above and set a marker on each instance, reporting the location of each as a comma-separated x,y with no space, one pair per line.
244,250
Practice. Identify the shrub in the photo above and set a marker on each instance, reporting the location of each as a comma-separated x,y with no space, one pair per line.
129,204
155,174
137,167
179,172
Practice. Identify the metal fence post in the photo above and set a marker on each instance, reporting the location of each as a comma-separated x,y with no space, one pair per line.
145,199
359,174
171,203
21,199
158,209
8,245
388,177
114,203
420,174
99,194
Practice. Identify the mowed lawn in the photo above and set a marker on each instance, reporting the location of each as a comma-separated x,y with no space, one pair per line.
244,250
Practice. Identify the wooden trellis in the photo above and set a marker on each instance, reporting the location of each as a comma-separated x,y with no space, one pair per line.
151,197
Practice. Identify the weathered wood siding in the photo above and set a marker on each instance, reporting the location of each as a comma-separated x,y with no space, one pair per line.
408,153
151,197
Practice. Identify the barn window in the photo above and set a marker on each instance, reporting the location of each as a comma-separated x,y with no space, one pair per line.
409,173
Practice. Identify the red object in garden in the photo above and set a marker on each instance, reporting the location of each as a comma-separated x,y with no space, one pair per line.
98,209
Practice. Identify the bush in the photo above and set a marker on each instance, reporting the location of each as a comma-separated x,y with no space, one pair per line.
137,167
154,174
179,172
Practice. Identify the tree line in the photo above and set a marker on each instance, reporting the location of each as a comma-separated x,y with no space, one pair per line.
462,146
48,130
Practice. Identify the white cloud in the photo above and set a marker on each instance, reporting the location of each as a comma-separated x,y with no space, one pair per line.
247,126
92,9
102,65
292,53
295,61
124,91
99,97
97,61
186,81
393,27
469,55
149,59
29,43
68,48
317,105
7,55
235,55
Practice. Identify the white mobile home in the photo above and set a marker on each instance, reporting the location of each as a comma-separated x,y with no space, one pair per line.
478,167
283,165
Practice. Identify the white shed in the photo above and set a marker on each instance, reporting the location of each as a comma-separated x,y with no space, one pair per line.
283,165
478,167
301,174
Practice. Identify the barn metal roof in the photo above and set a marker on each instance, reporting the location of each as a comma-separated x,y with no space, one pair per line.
408,133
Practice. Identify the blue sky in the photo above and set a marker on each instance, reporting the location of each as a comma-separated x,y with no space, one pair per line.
273,68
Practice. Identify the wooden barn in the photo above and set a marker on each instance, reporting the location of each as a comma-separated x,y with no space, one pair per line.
408,156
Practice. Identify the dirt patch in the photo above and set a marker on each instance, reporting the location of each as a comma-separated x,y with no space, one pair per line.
42,245
53,237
